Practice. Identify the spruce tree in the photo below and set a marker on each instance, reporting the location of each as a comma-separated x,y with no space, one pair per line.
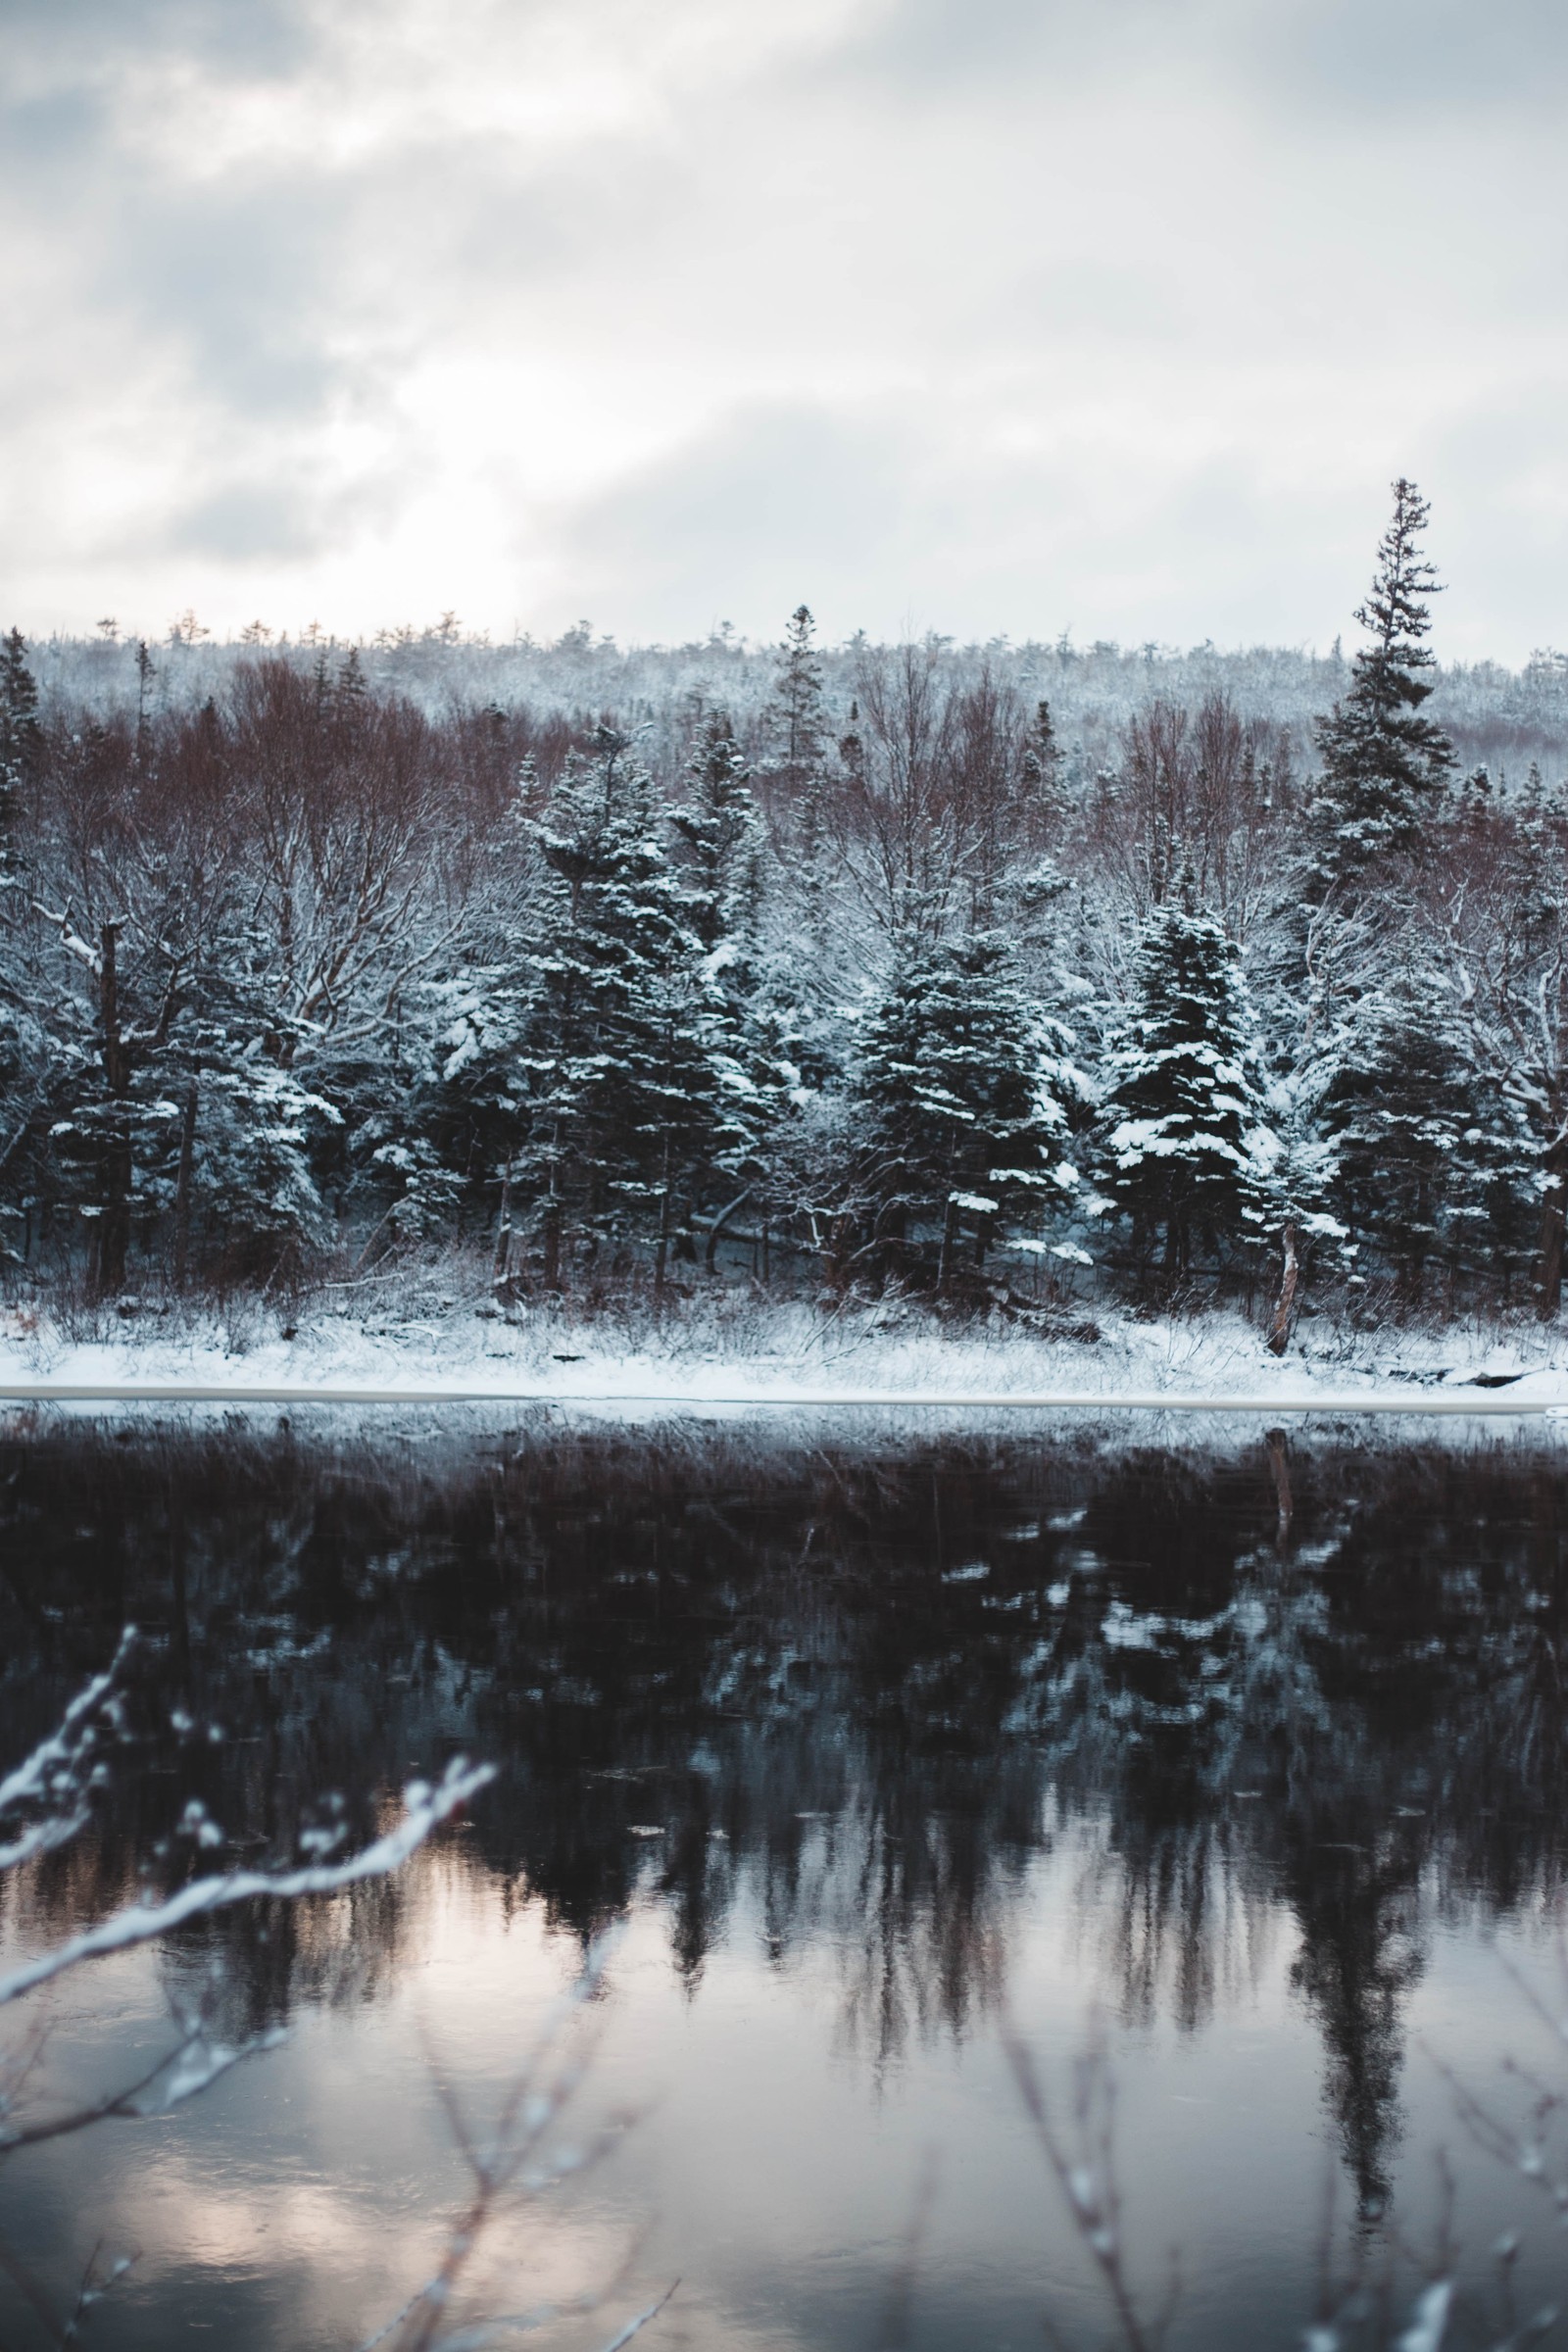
722,834
1384,764
719,826
1046,801
21,745
795,772
795,719
1183,1107
964,1136
1424,1159
628,1107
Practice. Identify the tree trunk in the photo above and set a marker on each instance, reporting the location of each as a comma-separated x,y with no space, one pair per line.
950,1236
114,1225
661,1254
717,1226
1279,1463
553,1216
1279,1329
188,1157
1549,1266
501,1270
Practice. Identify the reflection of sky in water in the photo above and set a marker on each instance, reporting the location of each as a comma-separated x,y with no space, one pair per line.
1273,1805
774,2158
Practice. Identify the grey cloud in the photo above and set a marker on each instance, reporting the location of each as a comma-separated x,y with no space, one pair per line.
934,46
778,504
1406,57
243,522
1393,57
1086,311
1122,302
234,274
883,521
78,41
240,282
54,134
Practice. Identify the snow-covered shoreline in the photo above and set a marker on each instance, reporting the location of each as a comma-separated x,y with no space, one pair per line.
779,1356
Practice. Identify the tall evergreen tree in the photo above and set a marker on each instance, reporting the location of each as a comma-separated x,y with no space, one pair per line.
1183,1106
794,782
724,841
1046,800
1505,958
1424,1161
21,743
1383,762
963,1135
628,1107
720,825
795,717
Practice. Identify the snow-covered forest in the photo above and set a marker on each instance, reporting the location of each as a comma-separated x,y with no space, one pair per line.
1007,974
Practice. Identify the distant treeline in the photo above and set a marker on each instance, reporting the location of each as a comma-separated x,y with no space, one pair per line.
995,973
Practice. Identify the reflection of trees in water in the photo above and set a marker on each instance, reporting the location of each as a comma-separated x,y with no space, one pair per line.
850,1693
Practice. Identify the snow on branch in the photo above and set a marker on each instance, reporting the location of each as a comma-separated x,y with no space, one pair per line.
425,1808
192,2066
56,1774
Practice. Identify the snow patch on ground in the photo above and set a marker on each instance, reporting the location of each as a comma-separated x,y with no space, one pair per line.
756,1352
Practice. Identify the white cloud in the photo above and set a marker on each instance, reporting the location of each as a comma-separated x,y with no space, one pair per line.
992,315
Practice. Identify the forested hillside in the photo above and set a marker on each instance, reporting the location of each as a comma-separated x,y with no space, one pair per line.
998,973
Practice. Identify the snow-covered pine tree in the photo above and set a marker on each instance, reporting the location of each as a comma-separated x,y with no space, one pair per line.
628,1107
720,825
1384,764
725,845
1505,958
964,1136
794,777
795,719
1425,1152
171,1120
1048,802
1182,1106
20,741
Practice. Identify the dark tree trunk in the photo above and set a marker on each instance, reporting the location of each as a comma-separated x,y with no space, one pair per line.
1279,1329
661,1254
710,1254
188,1157
113,1223
501,1268
950,1236
1554,1201
1279,1462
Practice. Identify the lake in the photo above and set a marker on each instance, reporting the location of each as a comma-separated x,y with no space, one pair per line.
1213,1786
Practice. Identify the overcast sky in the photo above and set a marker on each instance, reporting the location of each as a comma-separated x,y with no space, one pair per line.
982,316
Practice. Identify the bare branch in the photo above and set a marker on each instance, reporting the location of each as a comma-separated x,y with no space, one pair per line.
426,1809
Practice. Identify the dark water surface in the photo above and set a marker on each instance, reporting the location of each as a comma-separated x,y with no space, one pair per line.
1245,1768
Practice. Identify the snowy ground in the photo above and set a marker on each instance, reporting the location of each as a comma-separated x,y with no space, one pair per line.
743,1352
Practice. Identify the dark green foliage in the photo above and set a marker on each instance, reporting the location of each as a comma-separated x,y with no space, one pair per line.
628,1107
723,839
21,744
797,727
1384,764
1423,1151
1182,1106
384,973
1045,785
964,1138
